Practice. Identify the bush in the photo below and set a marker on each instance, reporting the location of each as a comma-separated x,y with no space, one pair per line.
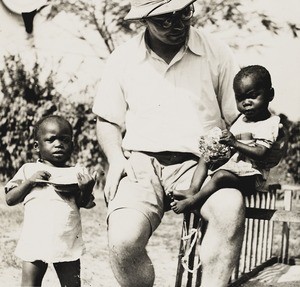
26,100
292,159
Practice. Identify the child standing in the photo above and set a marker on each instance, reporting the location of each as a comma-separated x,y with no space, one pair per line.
250,137
52,193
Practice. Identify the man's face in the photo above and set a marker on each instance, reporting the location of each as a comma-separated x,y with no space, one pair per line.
171,28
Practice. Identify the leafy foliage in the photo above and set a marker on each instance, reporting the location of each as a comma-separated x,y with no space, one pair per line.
103,16
292,159
26,100
217,12
107,18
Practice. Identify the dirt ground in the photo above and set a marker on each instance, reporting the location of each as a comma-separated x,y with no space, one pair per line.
277,275
96,272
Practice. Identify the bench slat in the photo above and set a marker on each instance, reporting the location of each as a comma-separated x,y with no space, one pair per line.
273,214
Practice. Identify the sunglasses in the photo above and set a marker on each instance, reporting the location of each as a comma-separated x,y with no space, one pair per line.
168,20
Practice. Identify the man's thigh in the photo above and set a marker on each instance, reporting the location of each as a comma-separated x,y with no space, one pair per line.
225,206
178,176
145,195
154,180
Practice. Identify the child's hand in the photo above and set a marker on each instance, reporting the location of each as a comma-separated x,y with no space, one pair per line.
90,204
86,184
39,175
227,138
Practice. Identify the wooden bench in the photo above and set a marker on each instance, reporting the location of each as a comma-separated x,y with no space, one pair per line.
256,253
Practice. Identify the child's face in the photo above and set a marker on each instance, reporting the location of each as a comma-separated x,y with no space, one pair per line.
252,100
54,142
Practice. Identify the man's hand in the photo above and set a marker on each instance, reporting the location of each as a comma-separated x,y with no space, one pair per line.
118,168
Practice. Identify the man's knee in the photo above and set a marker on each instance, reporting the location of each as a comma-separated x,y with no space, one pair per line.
225,208
128,232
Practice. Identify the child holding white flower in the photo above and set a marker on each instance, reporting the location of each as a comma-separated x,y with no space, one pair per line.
52,193
250,138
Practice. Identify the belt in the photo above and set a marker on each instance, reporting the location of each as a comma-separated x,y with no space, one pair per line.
172,157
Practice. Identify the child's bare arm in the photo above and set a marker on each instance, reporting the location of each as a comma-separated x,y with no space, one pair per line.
199,176
86,185
257,152
18,193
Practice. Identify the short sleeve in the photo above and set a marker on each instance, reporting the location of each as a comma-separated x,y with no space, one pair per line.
18,178
109,102
268,133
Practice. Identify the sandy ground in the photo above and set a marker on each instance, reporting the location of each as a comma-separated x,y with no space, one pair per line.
96,271
278,275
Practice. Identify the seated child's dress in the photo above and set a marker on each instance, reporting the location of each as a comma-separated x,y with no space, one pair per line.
251,133
52,230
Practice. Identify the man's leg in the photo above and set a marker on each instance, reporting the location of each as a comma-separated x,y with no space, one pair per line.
128,234
221,245
221,179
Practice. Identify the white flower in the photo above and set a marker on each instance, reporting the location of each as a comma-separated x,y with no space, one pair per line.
210,148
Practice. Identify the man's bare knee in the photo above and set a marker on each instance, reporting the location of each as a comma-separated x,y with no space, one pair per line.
128,232
220,248
225,209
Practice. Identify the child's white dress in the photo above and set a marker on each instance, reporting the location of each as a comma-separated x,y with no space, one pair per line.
52,230
263,133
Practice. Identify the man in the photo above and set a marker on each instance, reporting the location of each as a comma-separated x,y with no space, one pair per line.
159,93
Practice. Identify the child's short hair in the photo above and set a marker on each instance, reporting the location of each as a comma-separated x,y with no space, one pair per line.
259,73
50,118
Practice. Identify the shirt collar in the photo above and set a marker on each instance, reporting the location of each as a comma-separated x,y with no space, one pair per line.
142,47
193,44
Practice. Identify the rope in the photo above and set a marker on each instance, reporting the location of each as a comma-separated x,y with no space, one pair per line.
189,241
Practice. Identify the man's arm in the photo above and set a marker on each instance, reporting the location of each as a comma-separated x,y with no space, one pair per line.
110,139
225,94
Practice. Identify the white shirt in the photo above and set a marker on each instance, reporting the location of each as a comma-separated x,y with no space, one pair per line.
263,132
51,230
167,107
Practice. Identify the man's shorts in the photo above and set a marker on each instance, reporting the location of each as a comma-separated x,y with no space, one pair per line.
157,174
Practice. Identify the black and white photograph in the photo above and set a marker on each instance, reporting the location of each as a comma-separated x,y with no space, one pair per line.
150,143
